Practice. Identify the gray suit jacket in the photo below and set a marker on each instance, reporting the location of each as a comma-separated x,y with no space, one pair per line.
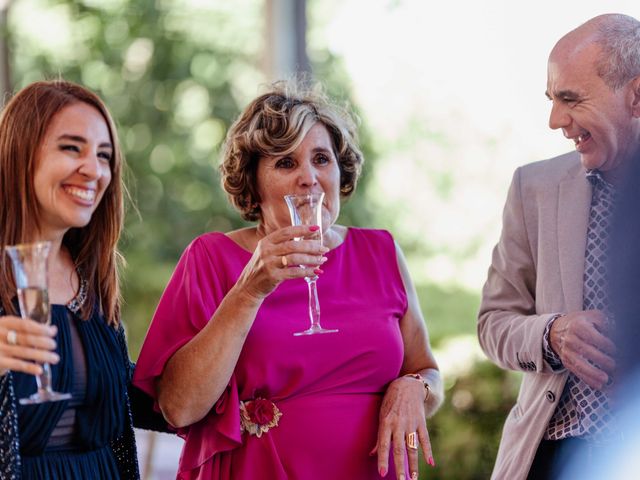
536,272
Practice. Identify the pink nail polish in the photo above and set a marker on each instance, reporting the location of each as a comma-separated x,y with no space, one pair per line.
431,462
314,228
318,271
382,471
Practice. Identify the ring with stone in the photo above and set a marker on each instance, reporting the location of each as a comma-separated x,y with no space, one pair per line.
12,337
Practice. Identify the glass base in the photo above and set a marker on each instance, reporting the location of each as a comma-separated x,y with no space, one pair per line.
315,330
43,396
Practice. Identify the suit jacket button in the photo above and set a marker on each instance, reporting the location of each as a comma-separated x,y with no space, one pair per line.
551,396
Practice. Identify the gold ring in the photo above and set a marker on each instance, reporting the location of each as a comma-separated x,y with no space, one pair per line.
12,337
412,440
284,261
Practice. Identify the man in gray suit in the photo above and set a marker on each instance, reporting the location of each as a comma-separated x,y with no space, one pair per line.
544,308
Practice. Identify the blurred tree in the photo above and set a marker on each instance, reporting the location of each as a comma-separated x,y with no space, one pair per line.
448,312
173,84
175,73
466,431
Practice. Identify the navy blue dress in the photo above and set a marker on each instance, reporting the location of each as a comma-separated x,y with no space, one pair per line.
100,419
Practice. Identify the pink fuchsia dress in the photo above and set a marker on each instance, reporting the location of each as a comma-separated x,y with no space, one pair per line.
328,388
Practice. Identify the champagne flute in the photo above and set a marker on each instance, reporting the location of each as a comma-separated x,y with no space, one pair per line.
307,210
30,272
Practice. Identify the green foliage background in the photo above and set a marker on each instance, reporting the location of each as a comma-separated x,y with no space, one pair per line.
175,76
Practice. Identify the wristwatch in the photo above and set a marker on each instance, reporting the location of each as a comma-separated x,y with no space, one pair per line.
417,376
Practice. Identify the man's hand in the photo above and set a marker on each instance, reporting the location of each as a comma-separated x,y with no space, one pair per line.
581,340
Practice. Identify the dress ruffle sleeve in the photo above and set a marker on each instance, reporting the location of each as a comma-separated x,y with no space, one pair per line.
218,432
189,301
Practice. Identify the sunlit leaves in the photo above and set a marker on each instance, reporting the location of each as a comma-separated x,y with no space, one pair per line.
174,75
162,159
191,104
137,58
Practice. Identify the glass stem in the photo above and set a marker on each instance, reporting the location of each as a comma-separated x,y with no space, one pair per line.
44,381
314,304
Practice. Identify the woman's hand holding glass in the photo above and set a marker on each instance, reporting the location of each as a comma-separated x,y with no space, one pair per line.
275,253
402,423
30,272
25,344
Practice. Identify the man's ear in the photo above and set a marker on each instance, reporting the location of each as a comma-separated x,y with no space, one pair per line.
635,96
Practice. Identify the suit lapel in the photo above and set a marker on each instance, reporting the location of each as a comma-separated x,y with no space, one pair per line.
574,202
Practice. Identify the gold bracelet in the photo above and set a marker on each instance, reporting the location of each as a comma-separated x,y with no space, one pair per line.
418,376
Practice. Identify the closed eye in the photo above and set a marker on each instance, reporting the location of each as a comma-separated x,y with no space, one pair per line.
69,148
569,99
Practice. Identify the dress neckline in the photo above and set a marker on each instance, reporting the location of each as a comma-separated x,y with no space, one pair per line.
239,247
76,303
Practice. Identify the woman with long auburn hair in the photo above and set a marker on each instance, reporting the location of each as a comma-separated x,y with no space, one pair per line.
61,182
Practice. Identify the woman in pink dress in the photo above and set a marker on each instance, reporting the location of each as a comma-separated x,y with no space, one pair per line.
250,399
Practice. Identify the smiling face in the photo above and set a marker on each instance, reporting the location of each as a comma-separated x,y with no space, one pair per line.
73,169
311,167
600,120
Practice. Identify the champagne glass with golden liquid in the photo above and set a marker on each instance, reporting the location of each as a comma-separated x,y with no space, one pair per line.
30,272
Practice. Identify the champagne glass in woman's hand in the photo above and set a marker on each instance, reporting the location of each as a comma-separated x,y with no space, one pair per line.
30,273
307,210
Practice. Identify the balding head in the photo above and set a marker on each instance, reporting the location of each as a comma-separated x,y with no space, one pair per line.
593,81
617,39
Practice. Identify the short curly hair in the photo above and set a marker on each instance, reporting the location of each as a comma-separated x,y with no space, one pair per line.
276,123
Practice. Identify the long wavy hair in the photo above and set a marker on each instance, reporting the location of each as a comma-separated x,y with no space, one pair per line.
23,125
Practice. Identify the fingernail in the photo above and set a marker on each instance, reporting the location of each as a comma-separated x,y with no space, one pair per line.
382,471
55,358
314,228
414,476
430,461
53,329
323,259
318,271
324,249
